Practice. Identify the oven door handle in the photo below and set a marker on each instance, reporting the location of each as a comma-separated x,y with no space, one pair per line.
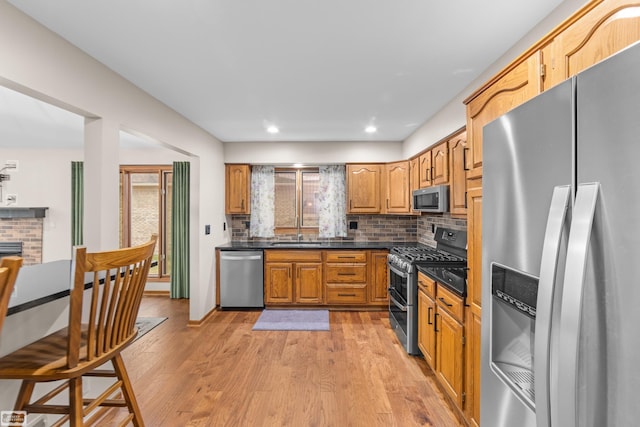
400,273
397,304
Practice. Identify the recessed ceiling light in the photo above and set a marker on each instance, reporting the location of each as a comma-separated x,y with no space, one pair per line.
273,129
371,129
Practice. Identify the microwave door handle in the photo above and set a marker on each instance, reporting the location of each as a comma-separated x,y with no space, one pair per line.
547,288
572,296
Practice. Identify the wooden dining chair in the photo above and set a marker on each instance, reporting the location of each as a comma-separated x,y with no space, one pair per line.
117,279
9,267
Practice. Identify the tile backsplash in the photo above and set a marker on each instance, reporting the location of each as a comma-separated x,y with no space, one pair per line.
426,223
370,228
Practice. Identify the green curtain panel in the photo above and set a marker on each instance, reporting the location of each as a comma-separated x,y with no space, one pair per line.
180,231
77,202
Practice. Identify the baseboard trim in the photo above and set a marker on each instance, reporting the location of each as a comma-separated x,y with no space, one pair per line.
156,293
198,323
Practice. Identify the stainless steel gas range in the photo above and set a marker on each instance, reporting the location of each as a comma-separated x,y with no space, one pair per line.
446,263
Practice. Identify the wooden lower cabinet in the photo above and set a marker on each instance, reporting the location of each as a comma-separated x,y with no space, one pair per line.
345,275
330,277
426,331
449,353
278,283
293,277
308,282
441,335
379,276
473,349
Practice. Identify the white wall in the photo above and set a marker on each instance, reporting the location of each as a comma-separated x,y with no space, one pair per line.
43,179
453,115
40,63
311,152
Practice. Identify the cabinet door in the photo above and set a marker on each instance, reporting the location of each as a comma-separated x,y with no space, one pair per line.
237,189
440,163
458,174
414,178
379,278
397,187
606,29
278,284
363,188
309,283
425,169
474,246
473,319
449,351
426,330
473,325
515,87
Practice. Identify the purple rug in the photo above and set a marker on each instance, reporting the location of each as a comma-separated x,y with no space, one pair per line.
293,320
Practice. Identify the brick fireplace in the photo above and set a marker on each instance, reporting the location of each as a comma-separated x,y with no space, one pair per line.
24,225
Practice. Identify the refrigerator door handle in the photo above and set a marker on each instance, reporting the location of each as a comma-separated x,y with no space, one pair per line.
556,224
572,295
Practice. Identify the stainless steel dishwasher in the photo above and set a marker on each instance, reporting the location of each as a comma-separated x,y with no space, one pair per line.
241,279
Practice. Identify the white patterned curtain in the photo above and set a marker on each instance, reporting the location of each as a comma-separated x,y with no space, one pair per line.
262,201
332,203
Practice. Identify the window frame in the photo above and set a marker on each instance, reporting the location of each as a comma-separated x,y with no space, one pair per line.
163,171
298,202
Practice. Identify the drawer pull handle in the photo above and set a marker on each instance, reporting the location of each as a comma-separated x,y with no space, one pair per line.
445,303
346,274
346,295
346,257
429,322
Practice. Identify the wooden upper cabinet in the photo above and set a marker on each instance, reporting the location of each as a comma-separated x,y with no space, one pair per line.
414,174
397,187
425,169
237,189
606,29
440,163
363,188
518,85
458,174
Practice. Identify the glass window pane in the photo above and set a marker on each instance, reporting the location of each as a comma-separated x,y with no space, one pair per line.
285,199
309,202
145,215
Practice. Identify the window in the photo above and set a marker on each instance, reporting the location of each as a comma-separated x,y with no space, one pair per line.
296,200
145,208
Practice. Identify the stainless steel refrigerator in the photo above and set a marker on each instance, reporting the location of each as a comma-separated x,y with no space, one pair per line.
561,254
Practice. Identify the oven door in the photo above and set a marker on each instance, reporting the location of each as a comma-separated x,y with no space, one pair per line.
402,315
399,283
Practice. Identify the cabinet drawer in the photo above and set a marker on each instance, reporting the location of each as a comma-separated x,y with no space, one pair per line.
427,285
450,302
345,273
292,256
346,295
346,256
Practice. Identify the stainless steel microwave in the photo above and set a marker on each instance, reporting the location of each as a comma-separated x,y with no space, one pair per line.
431,199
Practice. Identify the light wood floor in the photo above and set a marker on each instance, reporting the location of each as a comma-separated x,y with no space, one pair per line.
224,374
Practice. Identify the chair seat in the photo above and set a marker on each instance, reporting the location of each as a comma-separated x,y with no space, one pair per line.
46,358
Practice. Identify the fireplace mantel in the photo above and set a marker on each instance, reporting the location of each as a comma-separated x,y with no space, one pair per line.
21,212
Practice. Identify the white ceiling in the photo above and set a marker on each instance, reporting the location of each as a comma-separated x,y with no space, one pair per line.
321,70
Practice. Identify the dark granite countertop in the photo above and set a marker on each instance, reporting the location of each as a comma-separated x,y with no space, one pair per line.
343,244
